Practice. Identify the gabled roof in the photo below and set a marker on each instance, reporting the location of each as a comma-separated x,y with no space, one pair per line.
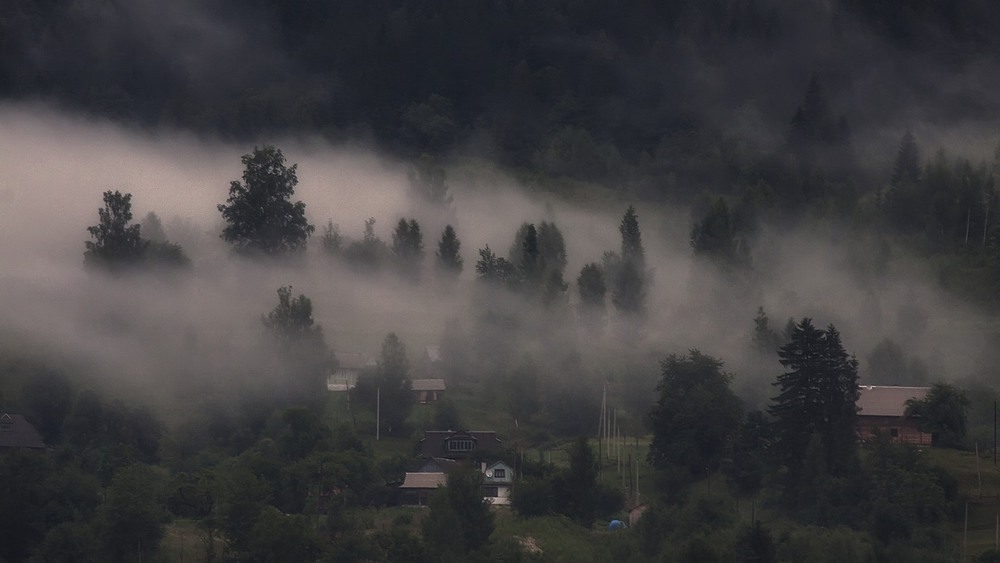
438,465
16,432
885,400
427,384
352,361
489,474
433,442
424,480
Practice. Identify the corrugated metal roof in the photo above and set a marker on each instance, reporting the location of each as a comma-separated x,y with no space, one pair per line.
424,480
879,400
427,385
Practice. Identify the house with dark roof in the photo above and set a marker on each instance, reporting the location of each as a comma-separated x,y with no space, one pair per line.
880,412
455,444
18,433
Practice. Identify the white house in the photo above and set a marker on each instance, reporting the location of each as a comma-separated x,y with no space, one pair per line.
497,481
349,368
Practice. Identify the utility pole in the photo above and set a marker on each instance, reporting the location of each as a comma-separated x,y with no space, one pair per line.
378,412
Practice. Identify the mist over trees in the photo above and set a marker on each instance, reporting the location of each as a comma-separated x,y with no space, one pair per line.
775,177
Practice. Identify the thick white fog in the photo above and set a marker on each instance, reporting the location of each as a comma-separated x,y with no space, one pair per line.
156,335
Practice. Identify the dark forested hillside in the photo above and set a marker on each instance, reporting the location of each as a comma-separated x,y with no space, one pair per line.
661,95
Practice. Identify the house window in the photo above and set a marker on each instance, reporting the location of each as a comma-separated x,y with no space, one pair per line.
492,492
461,445
894,432
499,473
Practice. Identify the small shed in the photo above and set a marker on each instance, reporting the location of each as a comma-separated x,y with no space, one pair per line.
18,433
417,488
428,390
880,412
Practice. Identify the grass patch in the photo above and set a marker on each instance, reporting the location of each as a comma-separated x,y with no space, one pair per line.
983,500
184,541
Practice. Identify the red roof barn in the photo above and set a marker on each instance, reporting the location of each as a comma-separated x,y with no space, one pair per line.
880,411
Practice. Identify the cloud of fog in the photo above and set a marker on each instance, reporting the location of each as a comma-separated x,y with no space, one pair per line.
167,337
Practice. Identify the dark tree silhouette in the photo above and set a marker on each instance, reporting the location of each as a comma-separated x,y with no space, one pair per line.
261,218
449,259
695,415
816,406
117,242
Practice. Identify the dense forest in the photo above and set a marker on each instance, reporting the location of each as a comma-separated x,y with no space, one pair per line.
655,246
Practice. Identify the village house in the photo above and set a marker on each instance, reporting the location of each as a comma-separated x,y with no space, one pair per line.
498,479
880,412
427,390
349,368
418,486
18,433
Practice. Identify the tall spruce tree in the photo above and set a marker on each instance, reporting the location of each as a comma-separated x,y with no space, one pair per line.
629,294
408,248
449,261
632,250
816,403
906,169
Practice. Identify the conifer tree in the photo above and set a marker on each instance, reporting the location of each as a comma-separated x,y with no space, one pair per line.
817,400
906,169
408,248
449,261
632,250
629,295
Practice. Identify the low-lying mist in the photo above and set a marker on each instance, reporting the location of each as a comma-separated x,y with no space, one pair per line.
169,338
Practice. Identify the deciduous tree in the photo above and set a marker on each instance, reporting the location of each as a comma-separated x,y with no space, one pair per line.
591,287
394,385
943,413
261,218
301,341
117,242
495,270
695,415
